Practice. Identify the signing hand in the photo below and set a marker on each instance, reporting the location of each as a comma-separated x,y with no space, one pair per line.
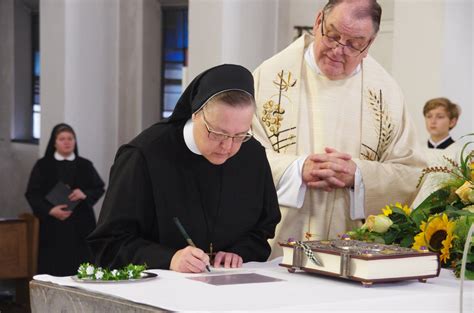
77,194
189,260
59,212
230,260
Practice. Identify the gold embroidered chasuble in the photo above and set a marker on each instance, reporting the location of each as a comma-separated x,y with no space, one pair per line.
300,112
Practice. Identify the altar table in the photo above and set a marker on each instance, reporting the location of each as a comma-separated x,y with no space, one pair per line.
298,291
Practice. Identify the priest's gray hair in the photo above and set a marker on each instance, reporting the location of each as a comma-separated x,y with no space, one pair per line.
363,9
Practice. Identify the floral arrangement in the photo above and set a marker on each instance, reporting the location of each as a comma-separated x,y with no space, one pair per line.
90,272
440,223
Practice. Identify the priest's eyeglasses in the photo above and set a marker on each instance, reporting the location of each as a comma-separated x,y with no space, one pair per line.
218,136
350,49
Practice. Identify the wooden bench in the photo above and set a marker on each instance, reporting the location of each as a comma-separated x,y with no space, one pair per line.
19,252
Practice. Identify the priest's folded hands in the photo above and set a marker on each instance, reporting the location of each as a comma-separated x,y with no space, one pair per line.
329,170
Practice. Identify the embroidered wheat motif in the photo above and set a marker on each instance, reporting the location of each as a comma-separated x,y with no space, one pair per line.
383,127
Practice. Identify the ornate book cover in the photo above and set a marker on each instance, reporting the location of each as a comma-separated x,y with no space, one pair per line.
366,262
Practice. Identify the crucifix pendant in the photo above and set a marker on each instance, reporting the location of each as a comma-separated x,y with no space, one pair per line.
211,253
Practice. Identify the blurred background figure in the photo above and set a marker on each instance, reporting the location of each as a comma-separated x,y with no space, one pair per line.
441,115
62,245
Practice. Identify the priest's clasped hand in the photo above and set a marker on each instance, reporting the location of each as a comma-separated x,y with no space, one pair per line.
189,260
328,171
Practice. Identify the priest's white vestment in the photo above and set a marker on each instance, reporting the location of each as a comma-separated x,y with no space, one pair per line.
300,112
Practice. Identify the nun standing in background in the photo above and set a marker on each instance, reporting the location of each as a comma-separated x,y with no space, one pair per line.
62,239
202,166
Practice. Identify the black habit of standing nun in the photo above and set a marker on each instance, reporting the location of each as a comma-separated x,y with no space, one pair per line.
224,200
62,243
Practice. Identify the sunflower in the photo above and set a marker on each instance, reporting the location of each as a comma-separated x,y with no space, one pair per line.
472,170
437,235
405,208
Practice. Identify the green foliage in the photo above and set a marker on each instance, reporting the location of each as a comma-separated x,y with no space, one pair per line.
89,271
456,194
365,235
434,203
466,160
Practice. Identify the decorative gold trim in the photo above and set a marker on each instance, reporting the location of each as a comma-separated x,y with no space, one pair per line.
273,113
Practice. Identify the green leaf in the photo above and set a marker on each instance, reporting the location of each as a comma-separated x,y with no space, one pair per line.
434,203
470,258
464,160
407,242
390,237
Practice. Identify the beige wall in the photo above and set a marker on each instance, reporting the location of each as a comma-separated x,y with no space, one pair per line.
232,31
100,63
432,57
109,76
16,159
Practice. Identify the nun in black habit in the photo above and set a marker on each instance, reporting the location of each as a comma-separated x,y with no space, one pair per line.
202,166
62,238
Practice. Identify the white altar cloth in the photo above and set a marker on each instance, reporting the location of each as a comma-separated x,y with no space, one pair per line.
298,292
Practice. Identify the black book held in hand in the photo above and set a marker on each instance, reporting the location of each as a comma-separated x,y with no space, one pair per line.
59,195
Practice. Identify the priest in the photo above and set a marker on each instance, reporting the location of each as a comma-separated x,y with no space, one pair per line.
335,126
200,167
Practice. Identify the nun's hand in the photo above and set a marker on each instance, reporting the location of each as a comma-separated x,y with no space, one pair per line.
77,194
228,260
189,260
59,212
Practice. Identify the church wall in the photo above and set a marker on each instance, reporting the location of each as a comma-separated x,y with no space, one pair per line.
433,58
242,32
457,66
16,159
99,78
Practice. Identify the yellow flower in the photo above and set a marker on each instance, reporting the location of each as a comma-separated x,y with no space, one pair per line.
437,235
464,192
472,170
405,208
387,210
377,223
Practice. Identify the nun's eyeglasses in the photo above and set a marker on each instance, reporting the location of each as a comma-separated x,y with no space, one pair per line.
218,136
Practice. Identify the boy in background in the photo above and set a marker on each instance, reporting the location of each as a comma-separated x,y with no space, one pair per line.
441,115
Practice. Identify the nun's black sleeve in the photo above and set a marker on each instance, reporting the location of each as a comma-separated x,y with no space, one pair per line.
127,230
35,193
254,245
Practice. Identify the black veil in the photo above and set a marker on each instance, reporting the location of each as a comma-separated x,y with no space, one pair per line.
209,83
50,149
